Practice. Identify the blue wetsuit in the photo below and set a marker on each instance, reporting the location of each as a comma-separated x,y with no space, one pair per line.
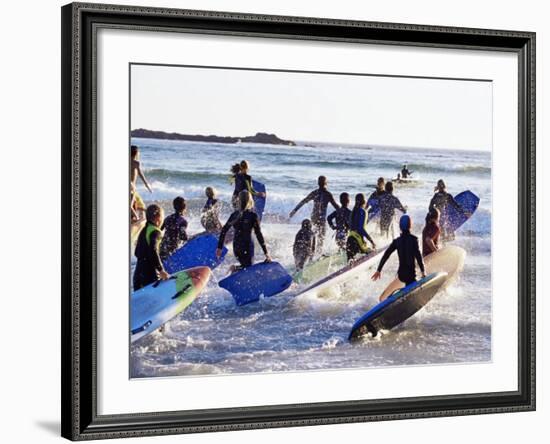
339,220
357,234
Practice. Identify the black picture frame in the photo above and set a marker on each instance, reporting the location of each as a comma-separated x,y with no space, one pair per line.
79,206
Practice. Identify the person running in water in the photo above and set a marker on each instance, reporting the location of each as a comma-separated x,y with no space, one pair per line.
304,245
149,265
356,242
210,214
137,205
175,229
407,251
373,201
243,221
405,173
339,221
388,204
242,181
431,232
321,197
440,200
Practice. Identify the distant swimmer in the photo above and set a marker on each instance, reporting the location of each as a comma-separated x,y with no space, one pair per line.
242,181
408,252
243,221
174,228
339,221
374,199
321,197
149,265
304,245
431,233
440,200
405,172
388,204
357,237
137,205
210,214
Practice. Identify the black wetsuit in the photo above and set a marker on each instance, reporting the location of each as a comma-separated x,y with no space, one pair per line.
339,220
405,173
304,247
356,240
388,204
175,234
440,200
408,252
148,258
321,197
242,182
243,247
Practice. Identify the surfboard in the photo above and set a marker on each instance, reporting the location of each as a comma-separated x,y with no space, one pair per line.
320,267
259,202
399,306
374,210
344,274
135,229
156,304
196,252
449,259
454,218
262,279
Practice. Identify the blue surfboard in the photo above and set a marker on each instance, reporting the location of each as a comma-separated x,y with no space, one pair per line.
259,202
453,218
263,279
399,306
199,251
374,210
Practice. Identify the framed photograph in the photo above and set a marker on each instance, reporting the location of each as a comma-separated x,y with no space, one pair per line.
280,221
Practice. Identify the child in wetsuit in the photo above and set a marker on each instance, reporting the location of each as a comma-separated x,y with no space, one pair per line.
388,204
408,252
210,214
137,206
244,220
149,265
431,232
304,245
243,182
356,242
374,199
175,229
321,197
339,221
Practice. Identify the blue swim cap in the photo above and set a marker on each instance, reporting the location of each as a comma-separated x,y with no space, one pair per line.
405,223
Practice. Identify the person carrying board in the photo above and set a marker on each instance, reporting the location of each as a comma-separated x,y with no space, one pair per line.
149,266
243,221
440,201
321,197
242,181
408,252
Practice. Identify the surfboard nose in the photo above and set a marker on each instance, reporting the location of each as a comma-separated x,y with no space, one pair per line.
199,276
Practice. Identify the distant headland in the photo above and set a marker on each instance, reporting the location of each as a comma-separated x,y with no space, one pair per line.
266,138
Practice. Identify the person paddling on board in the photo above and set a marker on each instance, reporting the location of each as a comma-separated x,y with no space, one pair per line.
321,197
174,228
431,232
339,221
388,204
149,265
304,245
243,221
407,251
441,200
210,214
137,205
242,181
357,237
405,172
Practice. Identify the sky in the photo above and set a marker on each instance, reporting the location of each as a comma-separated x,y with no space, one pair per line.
355,109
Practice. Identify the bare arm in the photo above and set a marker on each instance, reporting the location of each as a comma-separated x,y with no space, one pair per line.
142,176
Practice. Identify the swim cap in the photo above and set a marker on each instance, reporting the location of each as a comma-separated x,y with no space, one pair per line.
405,223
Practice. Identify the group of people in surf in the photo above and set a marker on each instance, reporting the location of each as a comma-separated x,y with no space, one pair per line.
161,236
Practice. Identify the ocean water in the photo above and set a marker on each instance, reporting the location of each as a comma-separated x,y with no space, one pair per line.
296,333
